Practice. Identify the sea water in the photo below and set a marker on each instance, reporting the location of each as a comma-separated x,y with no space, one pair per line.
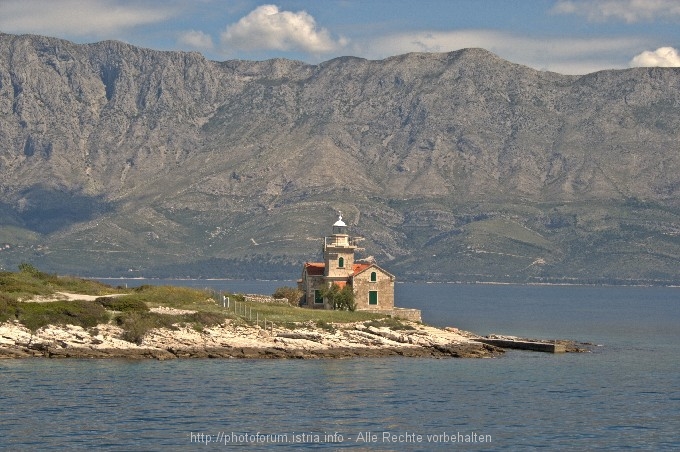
623,395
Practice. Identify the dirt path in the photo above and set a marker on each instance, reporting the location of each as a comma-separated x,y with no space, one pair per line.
59,296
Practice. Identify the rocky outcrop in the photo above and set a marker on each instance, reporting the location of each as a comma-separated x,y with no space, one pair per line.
237,341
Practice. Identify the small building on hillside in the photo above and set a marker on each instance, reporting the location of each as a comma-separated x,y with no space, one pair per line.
373,286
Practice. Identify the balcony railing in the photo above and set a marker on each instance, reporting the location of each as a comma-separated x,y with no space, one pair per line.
341,241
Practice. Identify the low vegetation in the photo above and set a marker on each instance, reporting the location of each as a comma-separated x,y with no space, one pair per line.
292,294
172,296
123,304
136,324
389,322
131,308
342,299
37,315
29,282
290,315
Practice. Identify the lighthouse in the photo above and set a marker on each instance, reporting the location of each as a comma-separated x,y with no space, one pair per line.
338,254
372,286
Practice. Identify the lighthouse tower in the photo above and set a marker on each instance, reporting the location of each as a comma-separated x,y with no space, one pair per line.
338,253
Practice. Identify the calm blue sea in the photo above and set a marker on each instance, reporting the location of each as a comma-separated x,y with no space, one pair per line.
624,395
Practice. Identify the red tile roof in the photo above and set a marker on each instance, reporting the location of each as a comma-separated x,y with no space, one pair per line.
358,268
315,268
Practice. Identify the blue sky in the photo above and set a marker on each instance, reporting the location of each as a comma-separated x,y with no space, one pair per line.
567,36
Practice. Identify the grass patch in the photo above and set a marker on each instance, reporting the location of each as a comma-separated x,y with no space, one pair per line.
173,297
82,286
283,314
29,282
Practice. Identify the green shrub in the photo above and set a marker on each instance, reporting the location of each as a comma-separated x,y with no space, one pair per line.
238,297
144,288
8,308
202,319
389,322
136,324
20,285
81,313
341,299
293,294
31,270
122,304
206,318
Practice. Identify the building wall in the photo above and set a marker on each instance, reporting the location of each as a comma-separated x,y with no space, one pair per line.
384,284
309,285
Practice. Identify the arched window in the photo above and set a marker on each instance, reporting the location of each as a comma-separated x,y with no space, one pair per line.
341,262
374,276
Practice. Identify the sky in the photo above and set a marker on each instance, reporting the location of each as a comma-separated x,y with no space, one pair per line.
566,36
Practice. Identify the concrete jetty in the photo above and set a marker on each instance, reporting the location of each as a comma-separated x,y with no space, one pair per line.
547,347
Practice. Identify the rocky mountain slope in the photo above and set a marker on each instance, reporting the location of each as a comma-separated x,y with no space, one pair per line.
117,160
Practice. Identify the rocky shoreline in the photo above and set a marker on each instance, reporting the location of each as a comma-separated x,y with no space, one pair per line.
232,340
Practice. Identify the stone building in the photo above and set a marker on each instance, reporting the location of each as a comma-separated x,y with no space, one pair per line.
372,285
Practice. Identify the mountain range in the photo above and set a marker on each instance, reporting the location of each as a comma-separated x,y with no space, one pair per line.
117,160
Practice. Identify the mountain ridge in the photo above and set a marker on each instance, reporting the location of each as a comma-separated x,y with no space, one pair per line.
454,166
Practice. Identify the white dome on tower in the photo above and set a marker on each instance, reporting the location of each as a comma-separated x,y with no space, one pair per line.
340,222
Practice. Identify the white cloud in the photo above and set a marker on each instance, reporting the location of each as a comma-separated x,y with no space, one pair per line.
661,57
564,55
268,28
76,17
627,10
196,40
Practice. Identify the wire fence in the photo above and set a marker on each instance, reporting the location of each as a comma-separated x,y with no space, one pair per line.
242,309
